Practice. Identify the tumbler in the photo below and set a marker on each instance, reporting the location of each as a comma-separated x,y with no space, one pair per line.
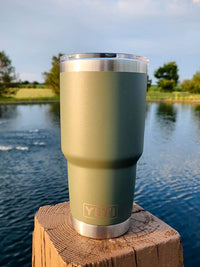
102,99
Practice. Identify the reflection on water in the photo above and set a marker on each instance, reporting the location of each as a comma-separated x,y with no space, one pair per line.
196,112
166,112
196,120
8,111
148,105
54,112
168,173
33,173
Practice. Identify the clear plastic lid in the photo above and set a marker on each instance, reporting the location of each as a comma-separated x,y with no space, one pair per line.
116,62
103,56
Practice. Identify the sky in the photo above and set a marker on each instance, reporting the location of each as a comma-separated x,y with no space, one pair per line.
31,32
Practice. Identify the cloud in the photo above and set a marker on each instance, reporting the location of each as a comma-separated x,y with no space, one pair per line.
123,8
197,2
159,29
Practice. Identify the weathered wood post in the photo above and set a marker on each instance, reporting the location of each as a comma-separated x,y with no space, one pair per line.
149,242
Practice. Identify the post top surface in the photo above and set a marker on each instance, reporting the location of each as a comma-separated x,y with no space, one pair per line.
147,232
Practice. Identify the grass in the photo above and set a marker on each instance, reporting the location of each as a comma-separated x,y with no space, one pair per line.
175,96
16,95
155,94
34,95
15,100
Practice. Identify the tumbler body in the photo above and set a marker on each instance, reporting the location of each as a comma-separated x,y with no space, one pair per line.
102,132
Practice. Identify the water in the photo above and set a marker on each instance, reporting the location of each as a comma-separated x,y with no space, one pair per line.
33,173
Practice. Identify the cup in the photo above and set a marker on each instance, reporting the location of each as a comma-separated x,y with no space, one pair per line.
102,98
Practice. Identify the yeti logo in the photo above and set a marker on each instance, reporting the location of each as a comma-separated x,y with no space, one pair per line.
93,211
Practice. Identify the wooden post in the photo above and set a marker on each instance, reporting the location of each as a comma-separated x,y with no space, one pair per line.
149,243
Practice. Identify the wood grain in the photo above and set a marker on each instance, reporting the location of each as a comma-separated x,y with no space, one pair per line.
149,242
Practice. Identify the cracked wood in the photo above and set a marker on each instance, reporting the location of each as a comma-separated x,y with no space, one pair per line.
149,242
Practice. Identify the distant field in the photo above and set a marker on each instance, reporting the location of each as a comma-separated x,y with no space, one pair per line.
153,88
174,96
29,95
46,94
33,93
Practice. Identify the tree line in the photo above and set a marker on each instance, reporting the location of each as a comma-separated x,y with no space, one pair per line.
167,77
8,77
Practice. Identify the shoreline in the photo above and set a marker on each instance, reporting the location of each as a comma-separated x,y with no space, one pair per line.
186,101
32,102
49,101
44,96
27,102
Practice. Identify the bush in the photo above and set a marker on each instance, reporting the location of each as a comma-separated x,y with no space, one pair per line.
8,88
166,85
196,80
193,85
177,89
197,89
187,86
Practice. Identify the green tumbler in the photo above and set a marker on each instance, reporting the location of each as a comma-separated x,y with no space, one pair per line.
102,98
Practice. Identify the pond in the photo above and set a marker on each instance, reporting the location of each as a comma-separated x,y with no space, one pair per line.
33,173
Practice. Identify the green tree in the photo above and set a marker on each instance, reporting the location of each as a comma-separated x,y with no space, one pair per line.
196,79
7,73
52,77
193,85
167,76
35,82
25,82
187,85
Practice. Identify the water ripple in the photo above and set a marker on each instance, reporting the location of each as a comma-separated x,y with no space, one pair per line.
167,181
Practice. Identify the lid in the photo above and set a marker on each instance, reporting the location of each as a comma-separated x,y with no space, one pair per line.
103,55
118,62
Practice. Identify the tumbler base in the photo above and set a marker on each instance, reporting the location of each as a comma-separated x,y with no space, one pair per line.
100,231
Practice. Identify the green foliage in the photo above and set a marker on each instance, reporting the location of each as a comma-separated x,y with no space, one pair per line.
7,73
148,82
154,87
177,89
35,82
166,85
167,76
187,85
25,82
196,81
52,77
193,85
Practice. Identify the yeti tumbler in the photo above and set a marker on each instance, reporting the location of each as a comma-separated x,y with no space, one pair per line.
102,98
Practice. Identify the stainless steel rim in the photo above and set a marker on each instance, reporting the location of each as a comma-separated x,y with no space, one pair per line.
123,56
100,231
116,62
